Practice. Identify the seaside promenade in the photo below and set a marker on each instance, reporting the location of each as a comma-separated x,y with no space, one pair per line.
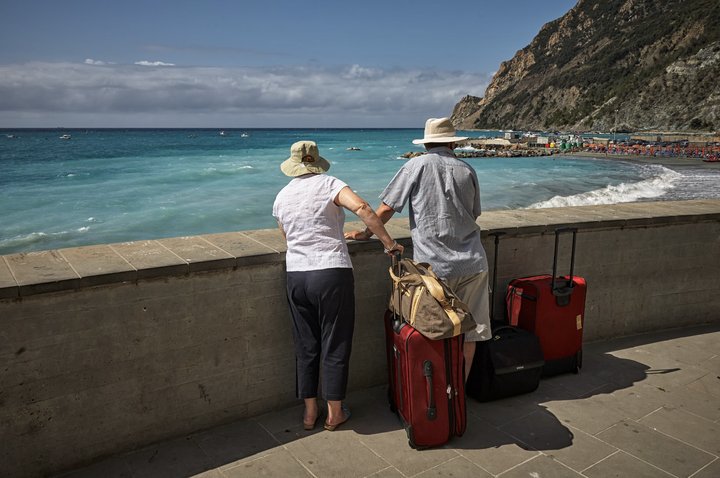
642,406
173,358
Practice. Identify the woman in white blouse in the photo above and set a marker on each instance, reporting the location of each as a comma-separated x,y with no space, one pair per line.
320,285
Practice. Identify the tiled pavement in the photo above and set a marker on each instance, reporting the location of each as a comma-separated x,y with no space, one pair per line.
643,406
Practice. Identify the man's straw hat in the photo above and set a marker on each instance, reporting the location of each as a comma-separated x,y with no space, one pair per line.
439,130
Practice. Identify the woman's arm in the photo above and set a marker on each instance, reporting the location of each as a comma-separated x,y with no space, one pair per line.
384,212
351,201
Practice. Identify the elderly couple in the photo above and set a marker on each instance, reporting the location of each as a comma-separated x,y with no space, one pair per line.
444,199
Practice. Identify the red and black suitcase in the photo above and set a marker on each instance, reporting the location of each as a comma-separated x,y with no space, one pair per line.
553,308
426,383
508,364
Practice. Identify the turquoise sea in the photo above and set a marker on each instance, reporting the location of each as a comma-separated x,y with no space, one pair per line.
115,185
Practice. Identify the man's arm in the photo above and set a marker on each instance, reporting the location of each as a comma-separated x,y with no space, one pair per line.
385,212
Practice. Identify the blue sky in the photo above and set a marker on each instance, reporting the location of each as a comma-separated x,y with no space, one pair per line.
391,63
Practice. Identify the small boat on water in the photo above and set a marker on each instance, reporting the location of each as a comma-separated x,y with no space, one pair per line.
65,136
223,133
354,148
244,135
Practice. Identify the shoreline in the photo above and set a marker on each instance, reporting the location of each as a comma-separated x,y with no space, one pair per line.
669,162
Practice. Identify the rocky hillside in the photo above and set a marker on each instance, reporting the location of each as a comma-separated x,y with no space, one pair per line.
610,64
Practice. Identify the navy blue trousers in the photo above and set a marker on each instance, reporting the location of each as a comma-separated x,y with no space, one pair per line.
322,306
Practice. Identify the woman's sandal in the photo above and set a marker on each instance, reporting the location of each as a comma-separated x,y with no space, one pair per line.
310,425
332,428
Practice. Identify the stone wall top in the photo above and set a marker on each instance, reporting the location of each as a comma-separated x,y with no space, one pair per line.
26,274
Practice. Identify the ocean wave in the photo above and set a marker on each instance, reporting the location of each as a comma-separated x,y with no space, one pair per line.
23,240
653,187
220,171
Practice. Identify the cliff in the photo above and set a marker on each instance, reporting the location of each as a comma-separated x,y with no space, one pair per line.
610,64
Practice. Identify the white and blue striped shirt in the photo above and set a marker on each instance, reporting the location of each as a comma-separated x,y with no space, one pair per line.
444,200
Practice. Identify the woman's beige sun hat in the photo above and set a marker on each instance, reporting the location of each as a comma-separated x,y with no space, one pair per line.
439,130
304,158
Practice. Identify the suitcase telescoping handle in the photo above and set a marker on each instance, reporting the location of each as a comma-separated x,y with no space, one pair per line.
496,235
562,293
397,321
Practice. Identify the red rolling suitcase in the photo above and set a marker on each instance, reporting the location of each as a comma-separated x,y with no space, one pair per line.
426,383
552,308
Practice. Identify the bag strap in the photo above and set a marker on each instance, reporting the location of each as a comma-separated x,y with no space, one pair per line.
452,315
432,282
436,290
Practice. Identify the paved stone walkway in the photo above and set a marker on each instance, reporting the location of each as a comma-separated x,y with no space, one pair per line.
643,406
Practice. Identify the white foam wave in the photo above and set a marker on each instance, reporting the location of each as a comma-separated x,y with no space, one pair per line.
624,192
469,149
211,171
24,240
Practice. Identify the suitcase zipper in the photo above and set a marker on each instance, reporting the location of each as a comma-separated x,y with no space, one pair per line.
452,426
398,377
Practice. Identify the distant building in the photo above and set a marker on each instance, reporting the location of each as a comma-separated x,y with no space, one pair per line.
601,141
538,141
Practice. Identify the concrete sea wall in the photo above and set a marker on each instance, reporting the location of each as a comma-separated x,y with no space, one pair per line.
108,348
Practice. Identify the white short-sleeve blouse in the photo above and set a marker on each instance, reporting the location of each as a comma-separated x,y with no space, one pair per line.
313,223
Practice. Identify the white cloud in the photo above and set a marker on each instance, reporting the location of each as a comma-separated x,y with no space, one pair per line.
90,61
358,72
125,95
153,63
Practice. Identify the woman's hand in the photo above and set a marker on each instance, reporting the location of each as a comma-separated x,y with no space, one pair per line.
363,235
